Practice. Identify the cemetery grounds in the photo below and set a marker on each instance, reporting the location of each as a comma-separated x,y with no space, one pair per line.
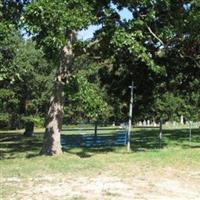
151,171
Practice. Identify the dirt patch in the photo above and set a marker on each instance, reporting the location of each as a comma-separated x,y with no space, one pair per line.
165,185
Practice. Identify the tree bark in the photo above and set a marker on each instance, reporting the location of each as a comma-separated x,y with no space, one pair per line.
51,143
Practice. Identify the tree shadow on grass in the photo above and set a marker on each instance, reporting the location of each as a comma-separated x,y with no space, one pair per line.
182,138
143,140
85,152
13,145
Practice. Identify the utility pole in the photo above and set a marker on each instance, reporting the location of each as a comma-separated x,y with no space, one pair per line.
132,87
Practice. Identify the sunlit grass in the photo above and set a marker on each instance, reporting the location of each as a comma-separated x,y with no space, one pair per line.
20,155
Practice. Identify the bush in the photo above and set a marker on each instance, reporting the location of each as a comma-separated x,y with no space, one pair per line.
37,120
4,120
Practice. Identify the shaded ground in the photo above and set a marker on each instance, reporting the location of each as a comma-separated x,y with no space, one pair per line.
12,144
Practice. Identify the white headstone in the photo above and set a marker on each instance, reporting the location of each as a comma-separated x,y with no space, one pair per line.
154,123
182,120
140,123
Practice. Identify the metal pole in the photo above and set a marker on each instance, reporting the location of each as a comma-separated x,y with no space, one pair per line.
95,131
130,118
190,135
160,134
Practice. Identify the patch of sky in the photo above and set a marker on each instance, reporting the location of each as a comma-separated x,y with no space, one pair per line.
25,34
187,6
88,33
125,14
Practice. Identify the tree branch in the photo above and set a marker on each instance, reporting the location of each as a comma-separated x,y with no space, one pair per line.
190,57
154,35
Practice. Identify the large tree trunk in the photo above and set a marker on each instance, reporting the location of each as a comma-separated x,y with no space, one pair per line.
51,143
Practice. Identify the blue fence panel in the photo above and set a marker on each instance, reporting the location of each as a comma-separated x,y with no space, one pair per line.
118,139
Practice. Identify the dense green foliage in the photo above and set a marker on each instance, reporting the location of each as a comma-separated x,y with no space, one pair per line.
50,22
158,49
25,79
25,76
86,99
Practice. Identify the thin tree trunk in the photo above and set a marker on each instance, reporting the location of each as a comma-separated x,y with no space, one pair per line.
51,143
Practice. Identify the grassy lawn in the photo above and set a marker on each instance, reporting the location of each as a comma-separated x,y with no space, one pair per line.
22,167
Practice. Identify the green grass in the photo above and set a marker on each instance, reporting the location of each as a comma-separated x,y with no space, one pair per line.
19,154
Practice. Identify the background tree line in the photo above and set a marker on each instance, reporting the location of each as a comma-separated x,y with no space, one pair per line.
158,49
41,59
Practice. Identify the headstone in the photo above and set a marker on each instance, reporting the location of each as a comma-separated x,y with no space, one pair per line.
148,122
182,119
29,128
154,123
140,123
144,123
122,125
